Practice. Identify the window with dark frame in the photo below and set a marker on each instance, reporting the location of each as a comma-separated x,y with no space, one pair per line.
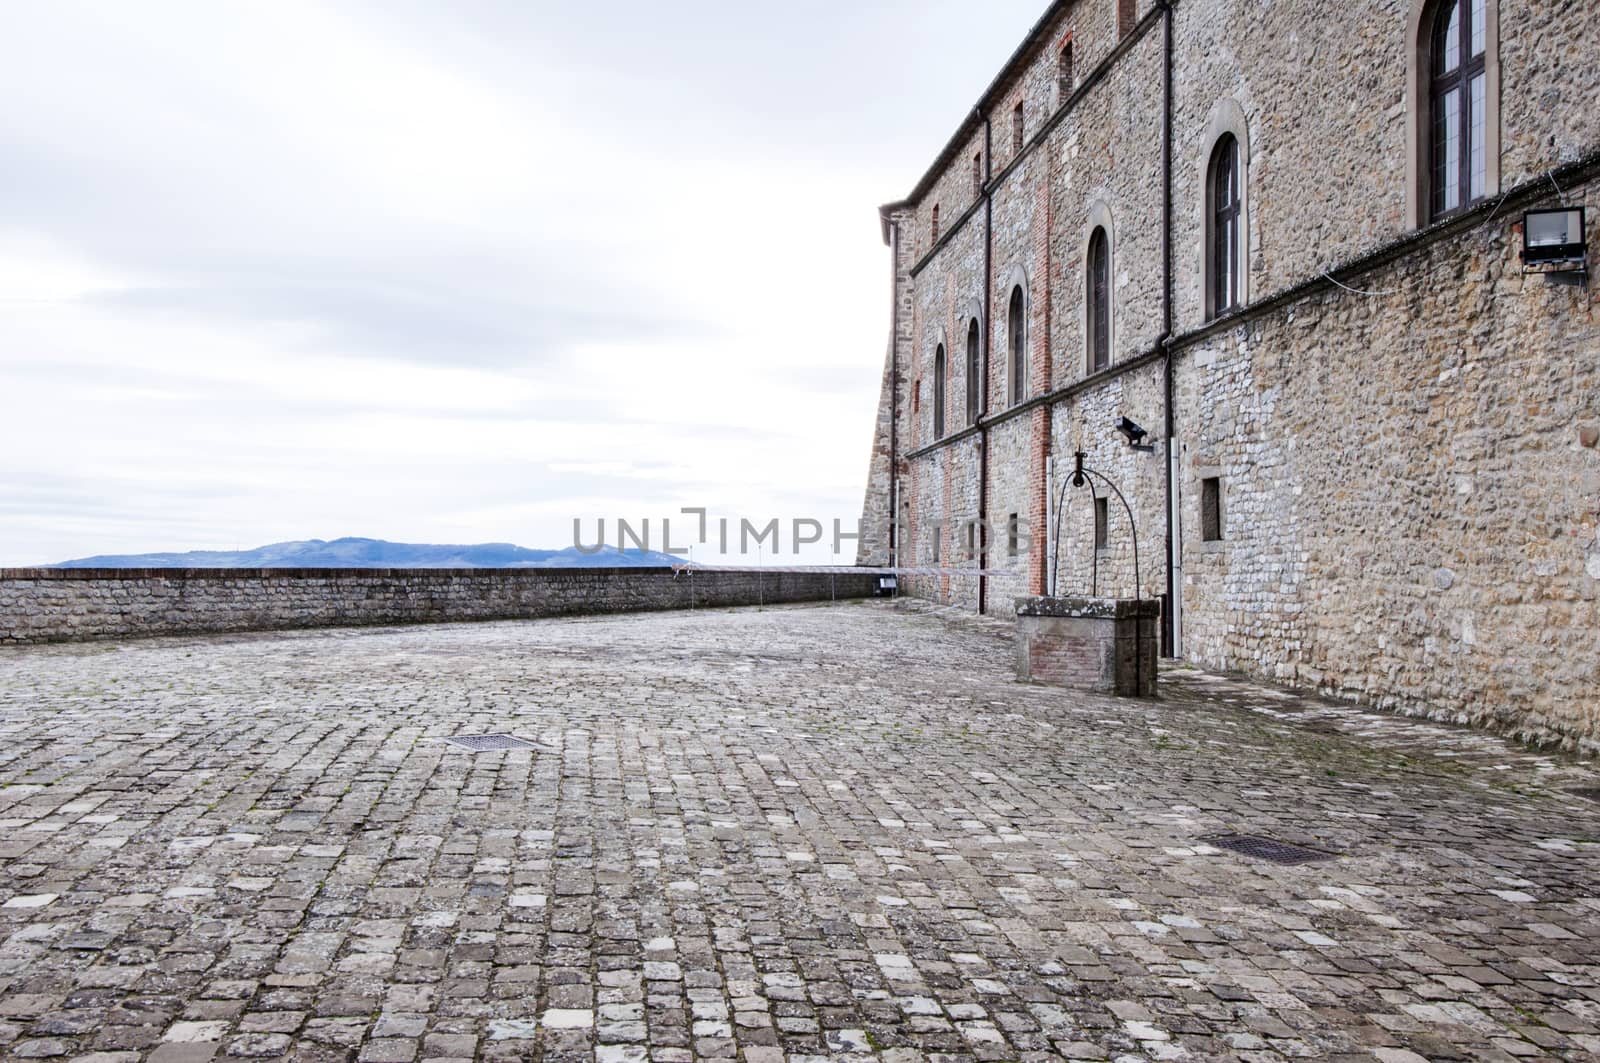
936,223
1211,509
1225,215
1016,129
1102,523
972,539
974,373
1016,337
1458,105
1013,535
1064,72
939,371
977,174
1098,282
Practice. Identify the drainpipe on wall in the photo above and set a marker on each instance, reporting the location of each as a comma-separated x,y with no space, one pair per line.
894,395
983,389
1172,623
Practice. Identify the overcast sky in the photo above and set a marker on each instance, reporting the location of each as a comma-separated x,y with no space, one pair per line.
452,272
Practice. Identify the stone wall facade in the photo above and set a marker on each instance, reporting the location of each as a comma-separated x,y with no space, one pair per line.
59,605
1399,421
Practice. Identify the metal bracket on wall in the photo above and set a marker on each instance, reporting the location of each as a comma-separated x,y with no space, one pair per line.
1081,475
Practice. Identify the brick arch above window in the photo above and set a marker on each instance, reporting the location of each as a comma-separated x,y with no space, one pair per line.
1099,219
928,375
1420,86
1227,120
1014,377
971,344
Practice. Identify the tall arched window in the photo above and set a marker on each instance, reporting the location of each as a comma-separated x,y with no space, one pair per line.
938,392
974,373
1223,204
1458,112
1098,280
1016,336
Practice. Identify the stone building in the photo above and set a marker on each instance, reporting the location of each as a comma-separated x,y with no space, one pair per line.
1285,238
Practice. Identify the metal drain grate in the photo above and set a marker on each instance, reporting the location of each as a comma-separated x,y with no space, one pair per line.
1267,849
484,743
1591,792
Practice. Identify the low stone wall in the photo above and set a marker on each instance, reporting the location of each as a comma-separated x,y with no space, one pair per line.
63,605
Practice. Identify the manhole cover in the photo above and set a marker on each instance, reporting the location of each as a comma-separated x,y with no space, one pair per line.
1591,792
483,743
1267,849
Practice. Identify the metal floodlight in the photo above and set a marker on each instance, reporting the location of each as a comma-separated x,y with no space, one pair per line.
1134,433
1554,235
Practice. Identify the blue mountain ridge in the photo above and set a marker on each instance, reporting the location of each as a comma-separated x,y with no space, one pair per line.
377,553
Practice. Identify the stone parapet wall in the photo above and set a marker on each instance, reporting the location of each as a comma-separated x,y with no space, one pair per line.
64,605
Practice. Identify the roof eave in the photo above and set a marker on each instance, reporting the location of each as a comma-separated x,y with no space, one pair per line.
997,88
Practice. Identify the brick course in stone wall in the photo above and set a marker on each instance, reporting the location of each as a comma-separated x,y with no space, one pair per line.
56,605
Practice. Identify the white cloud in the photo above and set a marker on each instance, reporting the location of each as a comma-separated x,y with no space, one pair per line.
289,270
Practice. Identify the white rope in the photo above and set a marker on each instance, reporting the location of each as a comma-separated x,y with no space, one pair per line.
1361,291
1550,174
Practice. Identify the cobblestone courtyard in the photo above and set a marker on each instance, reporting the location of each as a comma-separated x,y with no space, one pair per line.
824,831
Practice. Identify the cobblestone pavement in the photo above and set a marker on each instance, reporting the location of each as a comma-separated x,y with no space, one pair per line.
833,831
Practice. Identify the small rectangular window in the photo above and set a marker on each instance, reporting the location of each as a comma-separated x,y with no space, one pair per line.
972,539
1064,73
1016,129
1013,535
977,174
938,545
936,223
1102,523
1211,509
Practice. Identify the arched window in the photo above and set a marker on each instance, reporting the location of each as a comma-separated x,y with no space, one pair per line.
1458,112
938,392
1016,336
1064,83
974,373
1098,294
1223,205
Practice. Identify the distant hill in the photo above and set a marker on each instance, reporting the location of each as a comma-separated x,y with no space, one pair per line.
375,553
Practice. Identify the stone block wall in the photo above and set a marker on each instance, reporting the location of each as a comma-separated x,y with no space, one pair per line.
1395,412
1411,491
58,605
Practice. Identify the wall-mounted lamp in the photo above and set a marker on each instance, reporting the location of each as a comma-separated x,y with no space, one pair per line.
1135,435
1554,243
